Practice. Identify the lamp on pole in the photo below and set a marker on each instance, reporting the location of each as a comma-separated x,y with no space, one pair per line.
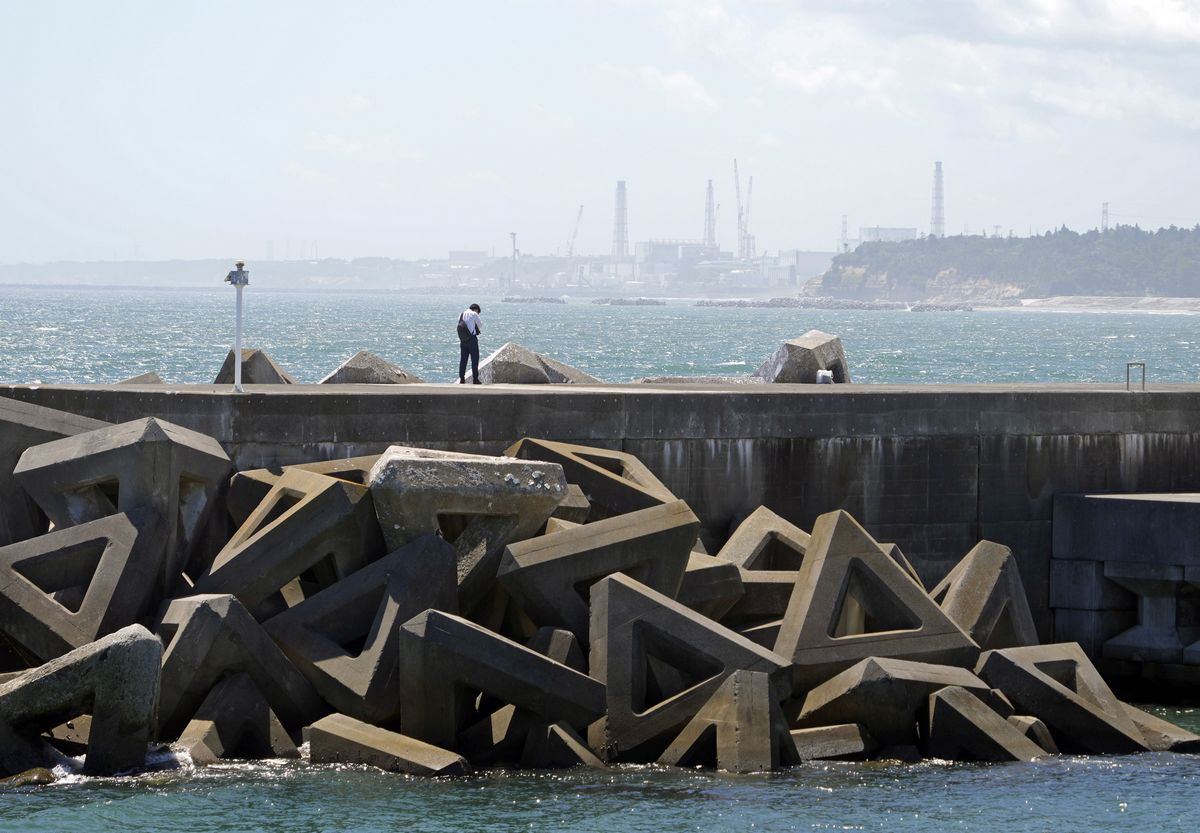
239,278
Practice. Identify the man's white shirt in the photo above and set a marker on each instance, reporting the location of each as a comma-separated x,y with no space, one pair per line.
471,318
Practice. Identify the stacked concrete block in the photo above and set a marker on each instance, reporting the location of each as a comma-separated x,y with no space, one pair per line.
114,679
429,611
148,465
23,425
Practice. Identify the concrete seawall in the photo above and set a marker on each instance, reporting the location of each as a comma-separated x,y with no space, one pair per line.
933,468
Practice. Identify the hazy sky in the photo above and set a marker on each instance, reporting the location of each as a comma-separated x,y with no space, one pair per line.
404,129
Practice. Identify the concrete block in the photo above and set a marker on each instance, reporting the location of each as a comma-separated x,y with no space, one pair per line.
962,728
557,746
851,601
631,625
309,525
1061,687
69,587
210,636
1162,735
613,482
894,552
763,634
247,489
1081,585
148,465
257,369
740,729
845,742
340,739
365,368
710,585
886,696
799,359
560,645
765,597
235,721
550,575
1157,636
478,551
114,679
445,660
517,365
765,541
413,488
500,737
1149,528
22,425
575,507
1035,730
148,378
345,638
984,596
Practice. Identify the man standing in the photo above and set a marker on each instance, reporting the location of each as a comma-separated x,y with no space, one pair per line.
469,328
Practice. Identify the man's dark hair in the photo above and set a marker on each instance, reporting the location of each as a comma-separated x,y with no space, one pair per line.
475,307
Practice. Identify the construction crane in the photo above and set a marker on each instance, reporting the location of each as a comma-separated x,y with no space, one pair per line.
574,234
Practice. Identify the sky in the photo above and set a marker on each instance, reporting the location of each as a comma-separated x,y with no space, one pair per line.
152,130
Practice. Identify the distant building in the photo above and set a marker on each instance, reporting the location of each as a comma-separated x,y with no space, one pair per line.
885,234
467,259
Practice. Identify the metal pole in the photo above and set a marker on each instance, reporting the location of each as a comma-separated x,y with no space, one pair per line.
513,235
237,344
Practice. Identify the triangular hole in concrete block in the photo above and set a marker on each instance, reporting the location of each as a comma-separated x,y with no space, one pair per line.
668,667
776,554
610,464
1004,633
867,605
351,625
64,574
1062,671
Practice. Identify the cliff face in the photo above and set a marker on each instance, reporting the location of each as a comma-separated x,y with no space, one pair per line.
1124,261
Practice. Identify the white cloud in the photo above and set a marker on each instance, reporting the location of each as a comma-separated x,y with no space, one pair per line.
679,88
373,149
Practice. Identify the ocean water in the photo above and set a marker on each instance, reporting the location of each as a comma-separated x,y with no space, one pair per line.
60,335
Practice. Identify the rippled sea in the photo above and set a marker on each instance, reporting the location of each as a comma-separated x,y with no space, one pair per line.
56,335
60,335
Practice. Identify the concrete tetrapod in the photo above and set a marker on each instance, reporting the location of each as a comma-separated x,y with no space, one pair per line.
962,728
66,588
844,742
235,721
613,481
852,601
114,679
513,364
365,368
633,627
414,489
557,746
147,464
1059,685
344,639
886,696
23,425
445,660
741,725
340,739
549,575
799,359
210,636
710,586
765,541
984,596
257,369
308,525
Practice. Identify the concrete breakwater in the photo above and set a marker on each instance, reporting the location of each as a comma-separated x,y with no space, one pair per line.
426,611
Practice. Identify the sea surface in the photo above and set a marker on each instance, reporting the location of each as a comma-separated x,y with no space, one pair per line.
62,335
94,335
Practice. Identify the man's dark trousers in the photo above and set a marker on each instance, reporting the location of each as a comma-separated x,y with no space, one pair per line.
470,348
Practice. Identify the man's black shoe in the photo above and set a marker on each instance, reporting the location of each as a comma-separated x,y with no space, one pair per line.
476,382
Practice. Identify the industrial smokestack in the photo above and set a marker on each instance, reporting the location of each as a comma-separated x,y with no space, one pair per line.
937,224
710,218
620,249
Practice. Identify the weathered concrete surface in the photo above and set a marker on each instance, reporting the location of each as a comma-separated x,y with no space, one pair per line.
235,721
557,746
984,596
365,368
148,378
933,468
114,679
339,739
22,425
799,359
513,364
962,728
549,576
257,369
843,742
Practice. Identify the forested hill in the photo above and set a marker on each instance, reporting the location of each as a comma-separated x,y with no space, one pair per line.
1121,261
